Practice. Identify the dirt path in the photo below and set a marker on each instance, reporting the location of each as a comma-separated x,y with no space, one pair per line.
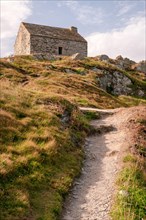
91,196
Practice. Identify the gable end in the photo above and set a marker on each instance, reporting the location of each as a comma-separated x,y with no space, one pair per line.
22,43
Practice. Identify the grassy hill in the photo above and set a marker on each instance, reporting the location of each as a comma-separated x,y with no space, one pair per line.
42,130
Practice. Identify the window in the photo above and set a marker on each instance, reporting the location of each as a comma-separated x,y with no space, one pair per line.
60,50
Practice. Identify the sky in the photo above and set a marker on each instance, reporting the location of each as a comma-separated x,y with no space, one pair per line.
112,27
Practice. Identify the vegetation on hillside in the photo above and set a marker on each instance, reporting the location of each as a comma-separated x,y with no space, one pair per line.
42,131
130,203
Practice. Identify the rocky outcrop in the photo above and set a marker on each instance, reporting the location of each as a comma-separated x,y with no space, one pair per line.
141,66
115,83
103,57
123,63
76,56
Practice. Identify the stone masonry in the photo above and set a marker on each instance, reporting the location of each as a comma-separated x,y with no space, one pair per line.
38,39
22,44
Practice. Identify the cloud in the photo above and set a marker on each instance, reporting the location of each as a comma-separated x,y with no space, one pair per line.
85,14
12,13
128,41
125,7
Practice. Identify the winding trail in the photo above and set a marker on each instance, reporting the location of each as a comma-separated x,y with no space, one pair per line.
91,195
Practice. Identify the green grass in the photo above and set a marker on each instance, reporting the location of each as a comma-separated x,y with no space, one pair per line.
136,82
129,158
91,115
40,156
40,153
132,101
131,206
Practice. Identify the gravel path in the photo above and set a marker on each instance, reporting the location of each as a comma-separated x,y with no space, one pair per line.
91,196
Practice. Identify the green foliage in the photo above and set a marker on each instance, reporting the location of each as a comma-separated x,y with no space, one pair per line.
132,101
131,180
129,158
91,115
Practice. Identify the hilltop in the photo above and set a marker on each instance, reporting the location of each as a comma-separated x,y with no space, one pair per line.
43,129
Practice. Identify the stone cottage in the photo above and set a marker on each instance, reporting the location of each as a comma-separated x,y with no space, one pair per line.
40,39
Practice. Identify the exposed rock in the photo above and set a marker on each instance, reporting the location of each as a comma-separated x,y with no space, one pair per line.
141,93
123,63
69,71
103,57
65,117
141,66
115,83
76,56
95,69
123,193
119,57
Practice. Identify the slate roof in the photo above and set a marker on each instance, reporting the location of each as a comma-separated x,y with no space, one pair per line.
53,32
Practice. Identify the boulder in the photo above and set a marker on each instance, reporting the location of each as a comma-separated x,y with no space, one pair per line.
103,57
123,63
76,56
95,69
119,57
141,66
69,71
141,93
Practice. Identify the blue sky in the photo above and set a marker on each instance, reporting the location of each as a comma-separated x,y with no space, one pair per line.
111,27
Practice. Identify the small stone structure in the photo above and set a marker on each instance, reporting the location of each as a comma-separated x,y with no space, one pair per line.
39,39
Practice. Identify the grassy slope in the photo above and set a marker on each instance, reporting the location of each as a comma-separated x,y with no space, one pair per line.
40,155
40,152
132,180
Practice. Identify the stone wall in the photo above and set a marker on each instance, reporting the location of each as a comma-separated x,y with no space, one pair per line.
41,44
22,44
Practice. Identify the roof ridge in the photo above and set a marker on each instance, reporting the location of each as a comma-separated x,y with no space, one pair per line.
44,25
53,32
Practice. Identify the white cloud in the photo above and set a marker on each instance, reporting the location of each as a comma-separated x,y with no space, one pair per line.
12,13
85,14
129,42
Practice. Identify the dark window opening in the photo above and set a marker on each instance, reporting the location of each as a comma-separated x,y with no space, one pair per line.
60,50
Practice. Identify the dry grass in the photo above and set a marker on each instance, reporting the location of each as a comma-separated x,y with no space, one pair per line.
41,153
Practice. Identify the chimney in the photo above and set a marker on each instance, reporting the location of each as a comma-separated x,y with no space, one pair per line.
74,29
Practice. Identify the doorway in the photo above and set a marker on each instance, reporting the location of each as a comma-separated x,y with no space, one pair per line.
60,50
